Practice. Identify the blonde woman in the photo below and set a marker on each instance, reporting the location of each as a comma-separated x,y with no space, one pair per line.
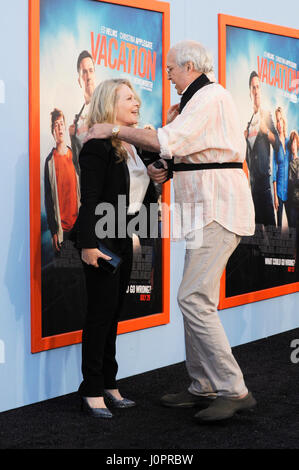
294,179
280,170
110,168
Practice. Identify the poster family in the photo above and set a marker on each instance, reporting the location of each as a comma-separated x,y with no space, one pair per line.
262,75
83,42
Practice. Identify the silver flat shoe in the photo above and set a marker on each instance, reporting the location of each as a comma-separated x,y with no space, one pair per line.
124,403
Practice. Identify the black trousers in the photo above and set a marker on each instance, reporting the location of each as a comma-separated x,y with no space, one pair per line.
105,296
263,206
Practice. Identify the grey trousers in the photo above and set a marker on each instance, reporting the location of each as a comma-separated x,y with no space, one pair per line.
209,359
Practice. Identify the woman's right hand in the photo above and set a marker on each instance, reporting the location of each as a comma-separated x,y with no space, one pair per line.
90,256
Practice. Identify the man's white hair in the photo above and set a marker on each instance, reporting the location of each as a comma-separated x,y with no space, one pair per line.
193,51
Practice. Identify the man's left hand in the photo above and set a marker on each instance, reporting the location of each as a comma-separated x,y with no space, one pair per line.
157,174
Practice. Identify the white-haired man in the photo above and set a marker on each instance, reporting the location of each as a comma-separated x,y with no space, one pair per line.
204,141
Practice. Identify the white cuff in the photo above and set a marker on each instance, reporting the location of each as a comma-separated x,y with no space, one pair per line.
163,141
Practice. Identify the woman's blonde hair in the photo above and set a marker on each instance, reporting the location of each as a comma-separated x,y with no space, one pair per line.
281,111
103,109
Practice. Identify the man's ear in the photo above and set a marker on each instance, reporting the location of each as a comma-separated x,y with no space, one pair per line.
190,66
79,81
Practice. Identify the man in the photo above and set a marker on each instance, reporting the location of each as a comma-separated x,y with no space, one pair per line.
62,192
259,134
203,130
86,80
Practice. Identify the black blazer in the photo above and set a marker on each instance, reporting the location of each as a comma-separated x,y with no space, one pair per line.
103,179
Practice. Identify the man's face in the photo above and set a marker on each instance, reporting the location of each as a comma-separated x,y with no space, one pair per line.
255,92
59,130
87,76
178,75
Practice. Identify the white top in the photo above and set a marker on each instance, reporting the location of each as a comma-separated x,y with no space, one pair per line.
139,181
254,129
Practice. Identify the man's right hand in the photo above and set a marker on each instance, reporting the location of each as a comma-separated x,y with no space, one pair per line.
172,113
159,175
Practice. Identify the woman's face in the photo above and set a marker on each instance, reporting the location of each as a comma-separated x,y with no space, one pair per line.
279,122
127,107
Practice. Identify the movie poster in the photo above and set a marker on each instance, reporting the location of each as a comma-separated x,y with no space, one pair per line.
81,43
263,77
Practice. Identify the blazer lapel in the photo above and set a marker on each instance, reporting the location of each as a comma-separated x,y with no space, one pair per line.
127,180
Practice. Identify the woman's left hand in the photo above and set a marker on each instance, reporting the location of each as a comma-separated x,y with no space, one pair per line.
99,131
91,255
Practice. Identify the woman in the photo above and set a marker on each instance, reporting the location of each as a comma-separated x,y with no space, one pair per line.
110,169
281,160
294,178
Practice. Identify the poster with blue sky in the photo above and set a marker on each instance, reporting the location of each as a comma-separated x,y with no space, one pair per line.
123,42
276,61
268,105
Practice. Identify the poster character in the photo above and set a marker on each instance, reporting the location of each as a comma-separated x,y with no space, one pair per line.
62,191
87,82
293,192
260,134
280,168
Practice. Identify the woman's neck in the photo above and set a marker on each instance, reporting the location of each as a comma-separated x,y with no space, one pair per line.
129,149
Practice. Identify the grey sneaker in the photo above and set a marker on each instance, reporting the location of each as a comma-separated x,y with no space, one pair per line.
225,407
186,400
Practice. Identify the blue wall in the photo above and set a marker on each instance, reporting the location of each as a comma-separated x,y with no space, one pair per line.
27,378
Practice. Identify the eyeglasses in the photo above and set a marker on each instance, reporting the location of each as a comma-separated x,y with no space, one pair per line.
169,69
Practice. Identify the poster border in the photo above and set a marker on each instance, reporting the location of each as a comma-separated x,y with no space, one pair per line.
39,343
223,22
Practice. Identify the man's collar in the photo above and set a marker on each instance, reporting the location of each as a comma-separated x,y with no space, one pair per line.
191,89
184,91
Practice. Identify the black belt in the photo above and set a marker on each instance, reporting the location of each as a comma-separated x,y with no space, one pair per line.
205,166
199,166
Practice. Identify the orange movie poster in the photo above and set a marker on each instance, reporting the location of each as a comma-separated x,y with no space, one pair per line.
259,66
74,45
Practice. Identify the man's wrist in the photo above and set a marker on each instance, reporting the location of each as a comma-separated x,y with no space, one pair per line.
115,131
